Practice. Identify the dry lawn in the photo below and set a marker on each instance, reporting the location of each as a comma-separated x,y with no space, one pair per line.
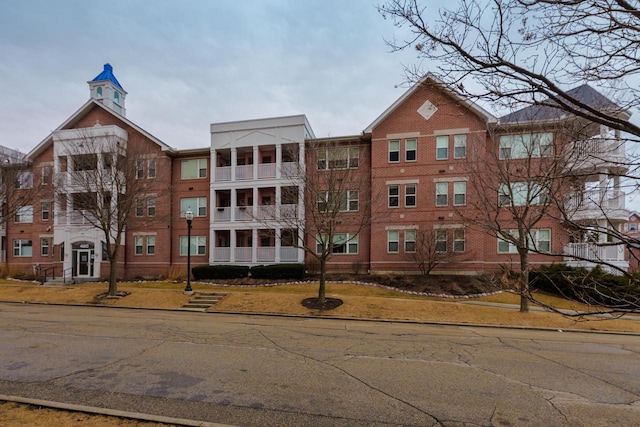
363,302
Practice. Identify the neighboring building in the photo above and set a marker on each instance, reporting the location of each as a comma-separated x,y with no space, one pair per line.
632,230
243,188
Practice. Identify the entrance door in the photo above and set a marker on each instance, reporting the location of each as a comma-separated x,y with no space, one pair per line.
84,261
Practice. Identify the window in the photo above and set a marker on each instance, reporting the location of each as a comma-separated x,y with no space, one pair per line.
198,245
151,168
343,201
22,247
394,196
44,246
116,97
24,214
459,193
344,157
151,206
410,195
198,206
632,227
442,193
151,245
353,201
393,241
410,240
522,194
526,145
538,239
441,240
194,168
394,151
44,209
459,146
442,147
139,169
99,92
46,175
343,243
139,207
410,150
458,240
138,241
24,180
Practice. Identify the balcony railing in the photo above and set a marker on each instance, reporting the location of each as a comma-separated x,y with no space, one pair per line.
589,255
267,170
222,254
244,172
75,218
243,254
288,254
266,254
289,170
593,199
266,212
223,173
243,213
222,214
288,211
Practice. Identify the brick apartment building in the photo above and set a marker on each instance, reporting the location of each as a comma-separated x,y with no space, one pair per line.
413,157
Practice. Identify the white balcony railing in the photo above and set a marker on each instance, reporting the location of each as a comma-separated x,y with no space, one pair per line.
266,254
75,218
244,172
223,173
594,199
266,212
243,254
222,214
289,170
267,170
589,255
243,213
222,254
288,211
288,254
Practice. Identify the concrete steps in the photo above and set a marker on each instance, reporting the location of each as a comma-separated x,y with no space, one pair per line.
201,301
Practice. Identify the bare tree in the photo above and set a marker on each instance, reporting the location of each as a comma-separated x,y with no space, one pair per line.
103,184
18,188
430,249
333,186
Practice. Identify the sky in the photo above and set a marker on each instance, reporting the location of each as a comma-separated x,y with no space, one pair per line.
189,63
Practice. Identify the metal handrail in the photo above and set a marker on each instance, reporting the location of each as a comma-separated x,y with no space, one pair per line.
44,273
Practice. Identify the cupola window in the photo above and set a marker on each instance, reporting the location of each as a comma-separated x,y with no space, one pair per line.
116,97
99,92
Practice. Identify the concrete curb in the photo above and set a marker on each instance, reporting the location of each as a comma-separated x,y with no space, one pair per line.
355,319
110,412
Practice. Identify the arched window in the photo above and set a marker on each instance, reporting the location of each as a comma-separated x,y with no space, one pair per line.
116,97
99,92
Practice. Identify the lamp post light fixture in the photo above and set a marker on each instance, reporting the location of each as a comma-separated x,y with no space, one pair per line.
189,217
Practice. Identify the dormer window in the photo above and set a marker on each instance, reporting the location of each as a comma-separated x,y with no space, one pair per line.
99,92
116,97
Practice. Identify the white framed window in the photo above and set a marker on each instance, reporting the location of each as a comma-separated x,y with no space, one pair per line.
24,214
343,201
522,194
138,245
354,157
344,157
151,206
45,211
322,159
198,245
459,193
441,240
46,175
526,145
198,206
22,247
409,241
459,146
539,239
633,226
44,246
24,180
442,147
139,207
394,196
151,168
410,195
139,169
442,193
193,169
151,245
393,241
410,150
353,200
458,240
343,243
394,151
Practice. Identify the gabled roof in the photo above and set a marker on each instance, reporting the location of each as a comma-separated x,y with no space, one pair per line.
80,113
430,78
107,74
584,94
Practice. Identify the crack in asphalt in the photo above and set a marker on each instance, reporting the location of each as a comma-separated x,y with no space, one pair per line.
409,404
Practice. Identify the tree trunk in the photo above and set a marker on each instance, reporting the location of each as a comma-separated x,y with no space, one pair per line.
524,282
322,287
113,272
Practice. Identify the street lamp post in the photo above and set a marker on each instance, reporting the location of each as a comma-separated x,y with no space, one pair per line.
189,216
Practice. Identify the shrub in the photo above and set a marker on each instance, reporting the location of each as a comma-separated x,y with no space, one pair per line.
207,272
278,271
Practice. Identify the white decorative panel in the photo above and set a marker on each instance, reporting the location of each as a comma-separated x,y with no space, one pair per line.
427,110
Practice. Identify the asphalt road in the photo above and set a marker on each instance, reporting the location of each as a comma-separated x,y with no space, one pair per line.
258,371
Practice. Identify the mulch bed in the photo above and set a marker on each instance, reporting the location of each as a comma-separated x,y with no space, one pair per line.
314,303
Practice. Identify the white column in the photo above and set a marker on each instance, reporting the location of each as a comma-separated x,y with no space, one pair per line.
278,160
256,153
254,245
213,162
234,163
254,208
233,204
278,243
232,246
278,202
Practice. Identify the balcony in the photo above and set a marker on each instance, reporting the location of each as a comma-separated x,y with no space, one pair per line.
243,213
597,153
223,173
74,218
244,172
288,254
594,205
222,214
267,170
266,212
243,254
263,254
222,254
589,255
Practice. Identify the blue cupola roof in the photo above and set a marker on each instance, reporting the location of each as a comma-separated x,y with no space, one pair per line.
107,74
